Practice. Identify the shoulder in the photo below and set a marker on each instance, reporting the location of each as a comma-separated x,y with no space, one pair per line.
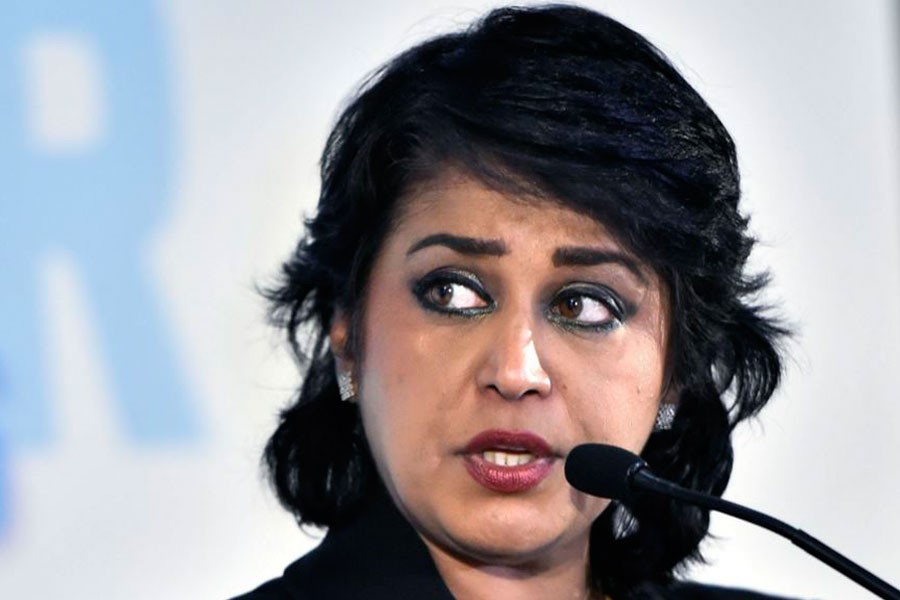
302,579
271,590
699,591
375,556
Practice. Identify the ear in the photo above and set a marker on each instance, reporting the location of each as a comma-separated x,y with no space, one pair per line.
671,395
338,338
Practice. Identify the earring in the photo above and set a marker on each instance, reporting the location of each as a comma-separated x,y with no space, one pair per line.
665,417
346,387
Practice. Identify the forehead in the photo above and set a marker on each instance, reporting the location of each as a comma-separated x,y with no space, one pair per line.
463,205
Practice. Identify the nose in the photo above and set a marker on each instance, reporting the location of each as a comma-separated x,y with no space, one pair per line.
512,366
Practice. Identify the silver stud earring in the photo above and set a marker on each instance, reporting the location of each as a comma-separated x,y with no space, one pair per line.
665,416
346,387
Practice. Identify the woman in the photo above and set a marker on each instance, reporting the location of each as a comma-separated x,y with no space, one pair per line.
528,238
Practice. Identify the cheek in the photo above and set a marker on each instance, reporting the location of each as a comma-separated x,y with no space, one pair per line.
402,390
618,402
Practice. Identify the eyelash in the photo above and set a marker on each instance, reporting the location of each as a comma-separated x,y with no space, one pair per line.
428,283
618,309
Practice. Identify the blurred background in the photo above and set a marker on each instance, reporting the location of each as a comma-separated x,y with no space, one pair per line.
156,159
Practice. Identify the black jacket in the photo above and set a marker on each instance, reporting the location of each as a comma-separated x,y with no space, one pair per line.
379,556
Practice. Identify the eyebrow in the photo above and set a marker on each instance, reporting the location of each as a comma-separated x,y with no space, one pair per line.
584,256
567,256
461,244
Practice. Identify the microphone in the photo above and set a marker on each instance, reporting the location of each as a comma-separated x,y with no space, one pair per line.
617,474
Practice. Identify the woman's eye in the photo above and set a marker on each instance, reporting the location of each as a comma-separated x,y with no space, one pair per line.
454,296
452,293
582,309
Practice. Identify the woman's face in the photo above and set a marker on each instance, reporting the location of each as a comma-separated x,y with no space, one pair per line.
498,334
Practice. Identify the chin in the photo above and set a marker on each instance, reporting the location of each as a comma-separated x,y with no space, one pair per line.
513,532
509,550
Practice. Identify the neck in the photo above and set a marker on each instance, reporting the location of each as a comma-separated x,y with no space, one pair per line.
566,577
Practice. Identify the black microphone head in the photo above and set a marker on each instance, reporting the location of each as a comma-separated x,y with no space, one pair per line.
602,470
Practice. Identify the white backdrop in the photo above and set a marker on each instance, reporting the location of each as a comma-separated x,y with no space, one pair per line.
808,89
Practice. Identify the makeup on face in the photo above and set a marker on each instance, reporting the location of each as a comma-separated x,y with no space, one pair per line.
586,305
498,334
509,461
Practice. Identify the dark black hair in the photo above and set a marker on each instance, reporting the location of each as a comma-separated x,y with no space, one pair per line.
562,103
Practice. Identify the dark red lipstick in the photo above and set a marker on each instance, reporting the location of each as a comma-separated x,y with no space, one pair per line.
508,461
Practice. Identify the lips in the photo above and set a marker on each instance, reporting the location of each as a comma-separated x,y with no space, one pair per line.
508,461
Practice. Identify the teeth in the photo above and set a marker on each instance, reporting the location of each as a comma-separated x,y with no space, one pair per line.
507,459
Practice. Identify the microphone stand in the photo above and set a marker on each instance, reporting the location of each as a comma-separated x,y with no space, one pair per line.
641,478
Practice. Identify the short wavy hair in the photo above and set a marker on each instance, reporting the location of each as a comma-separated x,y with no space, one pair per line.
566,104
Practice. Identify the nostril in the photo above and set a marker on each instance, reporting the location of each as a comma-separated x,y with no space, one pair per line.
517,381
511,366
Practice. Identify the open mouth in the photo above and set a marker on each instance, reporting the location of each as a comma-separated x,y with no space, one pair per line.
505,458
508,461
501,445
